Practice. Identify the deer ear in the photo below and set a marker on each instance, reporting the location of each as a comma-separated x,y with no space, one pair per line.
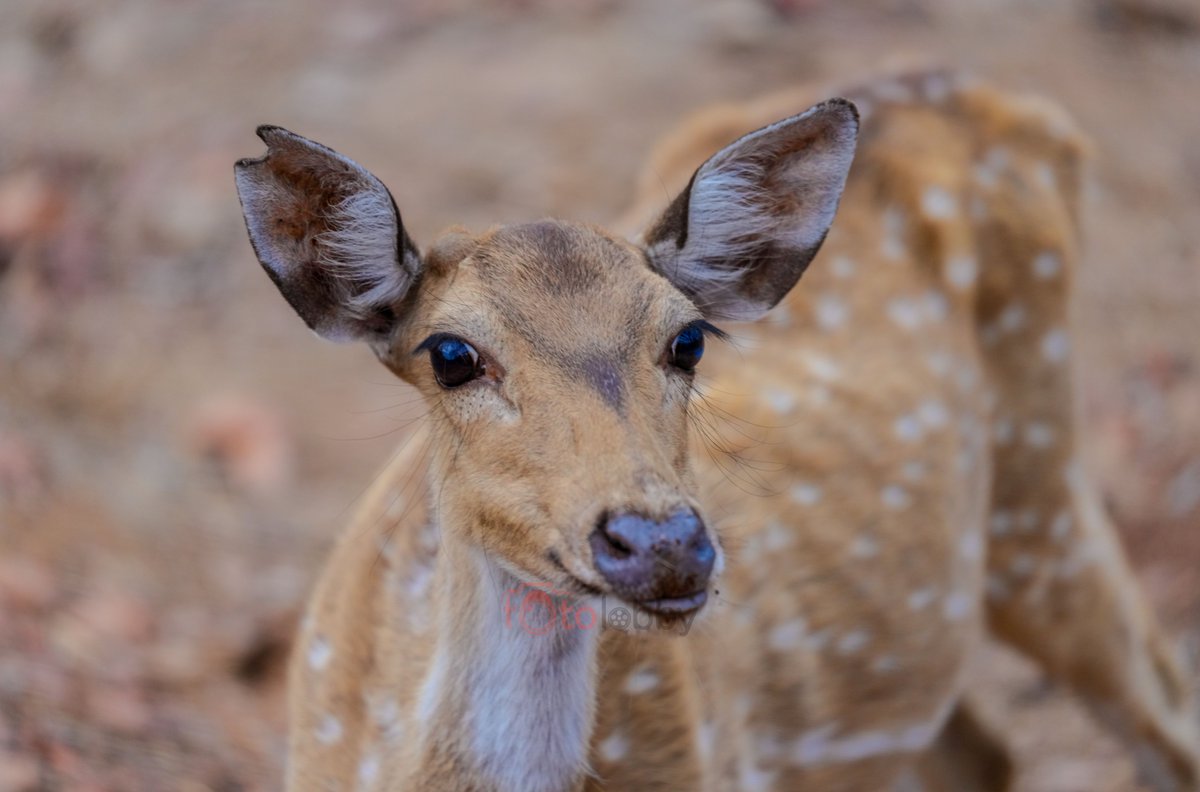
742,232
328,234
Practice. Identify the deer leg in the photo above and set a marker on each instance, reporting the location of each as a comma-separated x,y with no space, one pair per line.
1060,589
967,757
1077,610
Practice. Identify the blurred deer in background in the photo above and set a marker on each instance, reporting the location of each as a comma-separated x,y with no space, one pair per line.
905,431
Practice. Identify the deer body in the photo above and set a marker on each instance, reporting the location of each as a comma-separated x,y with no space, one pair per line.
877,470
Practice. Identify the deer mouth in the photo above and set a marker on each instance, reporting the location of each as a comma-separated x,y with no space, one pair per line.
675,607
668,608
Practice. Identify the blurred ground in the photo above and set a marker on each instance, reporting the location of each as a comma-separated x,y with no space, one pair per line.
176,452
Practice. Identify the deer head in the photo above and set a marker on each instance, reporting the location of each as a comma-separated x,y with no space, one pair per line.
557,360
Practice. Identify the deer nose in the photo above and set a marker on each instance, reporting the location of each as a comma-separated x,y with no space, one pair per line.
662,566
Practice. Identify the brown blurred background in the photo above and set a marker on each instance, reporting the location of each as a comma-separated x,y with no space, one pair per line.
177,451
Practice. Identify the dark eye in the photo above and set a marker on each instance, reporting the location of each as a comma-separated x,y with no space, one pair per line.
455,362
687,348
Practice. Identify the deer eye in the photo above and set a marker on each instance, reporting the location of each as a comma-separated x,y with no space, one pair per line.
687,348
454,361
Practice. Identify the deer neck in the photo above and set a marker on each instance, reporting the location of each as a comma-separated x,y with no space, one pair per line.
509,698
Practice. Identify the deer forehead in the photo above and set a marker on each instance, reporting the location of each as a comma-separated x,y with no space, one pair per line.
567,294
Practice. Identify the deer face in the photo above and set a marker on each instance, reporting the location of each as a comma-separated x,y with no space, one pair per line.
558,367
557,361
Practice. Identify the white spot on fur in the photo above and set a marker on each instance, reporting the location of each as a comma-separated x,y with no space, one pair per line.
641,681
329,730
753,779
817,641
1073,474
895,497
966,378
319,653
431,687
821,747
884,664
831,312
1056,346
384,711
853,642
819,395
823,368
970,546
921,598
1022,566
781,316
893,246
864,547
1084,555
1060,529
777,536
937,203
1046,265
1001,523
997,158
908,428
1044,174
957,606
614,748
1038,435
904,312
706,739
768,747
935,306
985,177
933,413
843,267
780,400
1002,431
961,272
939,363
787,636
1012,318
368,770
806,494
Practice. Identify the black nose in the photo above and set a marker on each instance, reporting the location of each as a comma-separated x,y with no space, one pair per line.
663,566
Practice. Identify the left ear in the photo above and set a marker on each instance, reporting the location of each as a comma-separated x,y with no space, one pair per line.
742,232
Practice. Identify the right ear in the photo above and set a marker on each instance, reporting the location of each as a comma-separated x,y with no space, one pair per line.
328,234
739,236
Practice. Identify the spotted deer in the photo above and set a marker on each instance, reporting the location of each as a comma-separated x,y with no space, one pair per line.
633,569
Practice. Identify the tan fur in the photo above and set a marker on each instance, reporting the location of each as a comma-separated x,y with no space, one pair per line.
896,466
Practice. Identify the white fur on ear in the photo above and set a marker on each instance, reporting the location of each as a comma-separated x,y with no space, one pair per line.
756,213
359,247
722,224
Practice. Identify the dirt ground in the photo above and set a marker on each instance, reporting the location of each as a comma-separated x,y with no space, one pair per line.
176,451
